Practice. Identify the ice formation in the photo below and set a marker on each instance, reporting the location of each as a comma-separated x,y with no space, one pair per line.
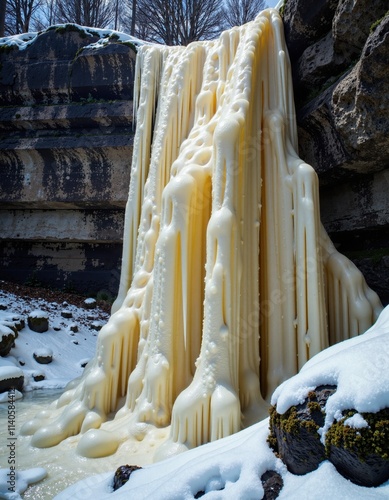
229,282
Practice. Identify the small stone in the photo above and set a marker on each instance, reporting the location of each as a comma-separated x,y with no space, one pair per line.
122,475
66,314
3,306
38,377
272,483
73,328
90,303
18,322
96,325
43,356
57,328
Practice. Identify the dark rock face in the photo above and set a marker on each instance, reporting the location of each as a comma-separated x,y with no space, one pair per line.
294,434
57,69
360,452
338,51
122,475
65,155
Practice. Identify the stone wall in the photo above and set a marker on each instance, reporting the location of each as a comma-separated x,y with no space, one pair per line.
66,139
339,51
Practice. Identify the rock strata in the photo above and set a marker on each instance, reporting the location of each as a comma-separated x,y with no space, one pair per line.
338,51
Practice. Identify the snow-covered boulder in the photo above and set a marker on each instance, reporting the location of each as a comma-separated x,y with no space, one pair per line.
350,426
11,377
38,321
43,356
7,338
90,303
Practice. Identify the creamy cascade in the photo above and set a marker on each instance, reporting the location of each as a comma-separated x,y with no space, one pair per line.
229,282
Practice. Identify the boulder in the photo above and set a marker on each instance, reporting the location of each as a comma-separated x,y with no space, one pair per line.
294,435
358,446
11,377
7,339
38,321
43,356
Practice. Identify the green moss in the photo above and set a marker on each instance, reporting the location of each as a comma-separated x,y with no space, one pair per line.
131,45
289,423
371,440
69,28
282,9
6,49
378,22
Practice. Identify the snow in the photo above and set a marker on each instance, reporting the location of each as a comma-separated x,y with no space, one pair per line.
22,480
43,352
8,371
69,350
356,422
5,331
38,314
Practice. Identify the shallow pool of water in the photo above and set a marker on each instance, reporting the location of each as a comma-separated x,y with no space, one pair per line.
63,465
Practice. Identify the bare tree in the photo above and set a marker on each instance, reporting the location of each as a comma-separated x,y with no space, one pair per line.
46,16
19,14
3,7
177,22
133,17
96,13
238,12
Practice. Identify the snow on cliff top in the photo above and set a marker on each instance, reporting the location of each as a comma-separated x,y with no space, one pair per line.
23,40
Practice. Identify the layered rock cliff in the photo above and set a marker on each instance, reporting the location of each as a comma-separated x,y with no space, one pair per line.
339,52
65,155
